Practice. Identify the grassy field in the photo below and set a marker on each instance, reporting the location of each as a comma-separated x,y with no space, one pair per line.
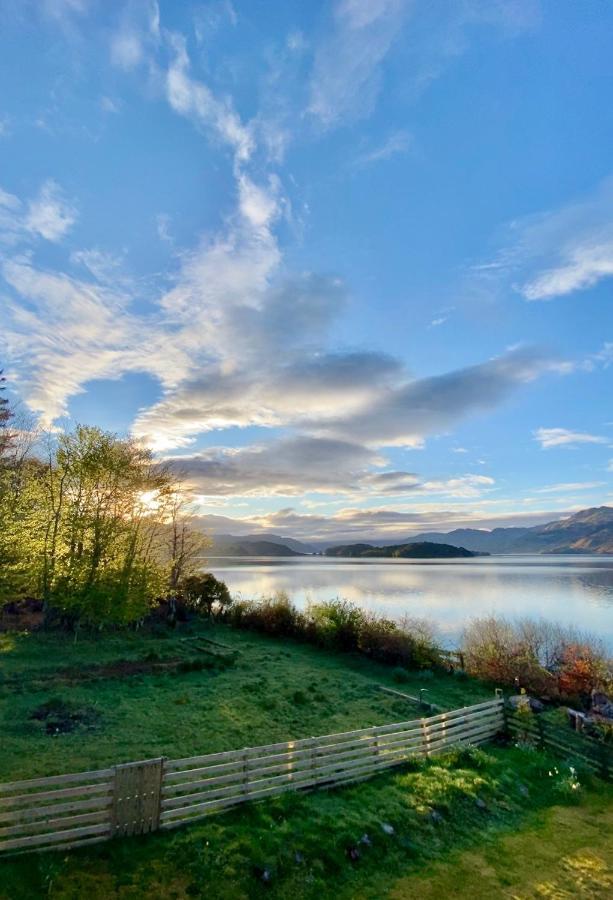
499,822
273,691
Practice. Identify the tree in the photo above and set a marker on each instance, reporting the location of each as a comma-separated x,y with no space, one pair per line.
184,545
100,557
205,592
6,415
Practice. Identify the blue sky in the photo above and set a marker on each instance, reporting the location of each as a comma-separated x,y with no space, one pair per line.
349,264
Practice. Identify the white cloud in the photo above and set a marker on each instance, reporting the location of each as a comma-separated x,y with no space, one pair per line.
558,252
569,486
583,266
563,437
50,215
193,99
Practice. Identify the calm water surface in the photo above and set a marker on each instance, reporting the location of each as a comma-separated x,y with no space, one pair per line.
568,589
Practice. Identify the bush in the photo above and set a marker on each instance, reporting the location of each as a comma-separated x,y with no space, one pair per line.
338,625
271,615
544,658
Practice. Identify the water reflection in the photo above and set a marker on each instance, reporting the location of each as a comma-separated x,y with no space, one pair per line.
572,590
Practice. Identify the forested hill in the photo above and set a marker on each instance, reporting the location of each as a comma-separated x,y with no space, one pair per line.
236,546
418,550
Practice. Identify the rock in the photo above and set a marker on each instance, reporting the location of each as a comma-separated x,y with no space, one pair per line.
388,829
365,840
435,817
523,790
480,803
535,705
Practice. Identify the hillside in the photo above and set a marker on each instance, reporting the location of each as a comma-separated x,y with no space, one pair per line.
227,545
416,550
588,531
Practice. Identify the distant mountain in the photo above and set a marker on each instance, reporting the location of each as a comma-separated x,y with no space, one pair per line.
500,540
416,550
588,531
251,545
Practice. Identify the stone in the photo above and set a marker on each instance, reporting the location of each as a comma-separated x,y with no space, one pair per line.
435,817
388,829
480,803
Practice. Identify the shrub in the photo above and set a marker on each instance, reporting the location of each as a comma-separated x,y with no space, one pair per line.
337,623
340,625
271,615
544,658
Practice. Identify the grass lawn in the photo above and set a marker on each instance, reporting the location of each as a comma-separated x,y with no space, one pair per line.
476,824
274,691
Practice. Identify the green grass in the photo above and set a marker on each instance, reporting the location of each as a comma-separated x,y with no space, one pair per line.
475,824
455,823
276,690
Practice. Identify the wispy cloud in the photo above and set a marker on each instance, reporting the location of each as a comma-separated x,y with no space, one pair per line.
558,252
346,72
563,437
137,32
570,486
195,100
50,214
395,144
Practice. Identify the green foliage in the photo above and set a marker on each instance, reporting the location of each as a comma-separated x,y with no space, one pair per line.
205,593
97,530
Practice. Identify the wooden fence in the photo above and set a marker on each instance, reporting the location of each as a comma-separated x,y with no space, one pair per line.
136,798
594,755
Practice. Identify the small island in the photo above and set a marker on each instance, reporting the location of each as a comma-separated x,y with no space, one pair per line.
418,550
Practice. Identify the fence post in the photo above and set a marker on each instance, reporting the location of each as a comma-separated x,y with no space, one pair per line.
375,732
246,772
426,736
314,745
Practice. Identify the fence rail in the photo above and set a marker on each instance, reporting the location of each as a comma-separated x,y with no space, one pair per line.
135,798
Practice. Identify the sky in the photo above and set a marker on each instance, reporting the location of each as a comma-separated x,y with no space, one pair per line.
347,265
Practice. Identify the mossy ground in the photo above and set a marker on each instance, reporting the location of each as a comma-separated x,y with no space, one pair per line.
486,823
